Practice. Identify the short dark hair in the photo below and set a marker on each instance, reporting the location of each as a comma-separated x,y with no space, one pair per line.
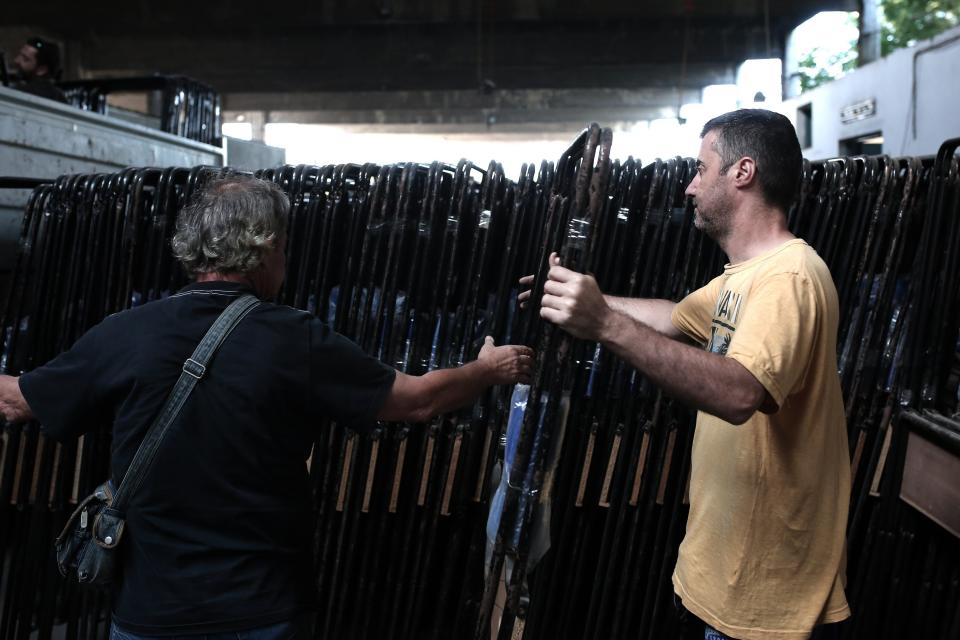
48,54
770,139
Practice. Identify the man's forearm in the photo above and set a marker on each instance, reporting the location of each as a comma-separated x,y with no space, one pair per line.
420,398
706,381
451,389
651,312
715,384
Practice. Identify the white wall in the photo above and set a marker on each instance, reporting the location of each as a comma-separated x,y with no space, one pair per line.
40,138
934,65
250,155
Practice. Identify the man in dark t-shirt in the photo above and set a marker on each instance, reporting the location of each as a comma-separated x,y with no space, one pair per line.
37,66
217,538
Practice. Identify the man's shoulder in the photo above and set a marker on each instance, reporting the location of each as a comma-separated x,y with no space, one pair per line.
129,325
155,309
43,88
275,312
798,268
158,314
794,258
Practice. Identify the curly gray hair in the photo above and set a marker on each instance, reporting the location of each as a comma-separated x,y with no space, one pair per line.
229,225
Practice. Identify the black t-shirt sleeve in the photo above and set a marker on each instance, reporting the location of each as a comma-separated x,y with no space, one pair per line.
346,384
68,394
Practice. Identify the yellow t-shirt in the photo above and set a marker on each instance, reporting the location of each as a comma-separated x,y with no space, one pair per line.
764,552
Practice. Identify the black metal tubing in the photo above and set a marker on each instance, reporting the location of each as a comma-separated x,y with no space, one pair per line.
416,263
936,428
11,182
190,108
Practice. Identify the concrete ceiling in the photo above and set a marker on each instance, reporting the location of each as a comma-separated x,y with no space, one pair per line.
416,59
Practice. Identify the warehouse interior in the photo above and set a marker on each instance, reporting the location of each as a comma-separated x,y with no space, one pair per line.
433,154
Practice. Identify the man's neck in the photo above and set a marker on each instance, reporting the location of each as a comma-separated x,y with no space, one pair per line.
215,276
755,232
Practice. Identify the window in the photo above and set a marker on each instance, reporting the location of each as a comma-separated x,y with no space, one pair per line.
805,125
870,144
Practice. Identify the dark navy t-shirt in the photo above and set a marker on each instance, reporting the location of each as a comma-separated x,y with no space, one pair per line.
218,537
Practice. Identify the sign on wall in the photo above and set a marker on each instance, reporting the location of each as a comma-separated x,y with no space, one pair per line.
858,110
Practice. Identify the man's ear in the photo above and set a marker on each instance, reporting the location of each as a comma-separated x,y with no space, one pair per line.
744,172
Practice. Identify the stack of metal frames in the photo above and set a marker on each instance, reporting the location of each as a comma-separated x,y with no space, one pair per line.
189,109
889,230
417,263
90,245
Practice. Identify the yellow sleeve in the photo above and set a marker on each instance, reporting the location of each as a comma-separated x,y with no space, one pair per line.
693,314
777,332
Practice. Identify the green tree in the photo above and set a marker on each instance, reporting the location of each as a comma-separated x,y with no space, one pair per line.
814,71
818,67
905,22
902,24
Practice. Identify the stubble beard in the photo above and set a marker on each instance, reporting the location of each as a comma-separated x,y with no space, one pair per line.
716,224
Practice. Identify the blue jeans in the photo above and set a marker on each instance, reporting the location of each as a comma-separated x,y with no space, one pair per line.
821,632
299,628
693,628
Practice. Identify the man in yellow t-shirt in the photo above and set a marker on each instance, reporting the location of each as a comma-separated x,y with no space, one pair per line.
763,556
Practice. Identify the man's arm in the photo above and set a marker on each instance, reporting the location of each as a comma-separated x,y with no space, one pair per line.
651,312
709,382
419,398
13,405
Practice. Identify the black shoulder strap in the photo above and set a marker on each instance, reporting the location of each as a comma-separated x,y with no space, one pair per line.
193,370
